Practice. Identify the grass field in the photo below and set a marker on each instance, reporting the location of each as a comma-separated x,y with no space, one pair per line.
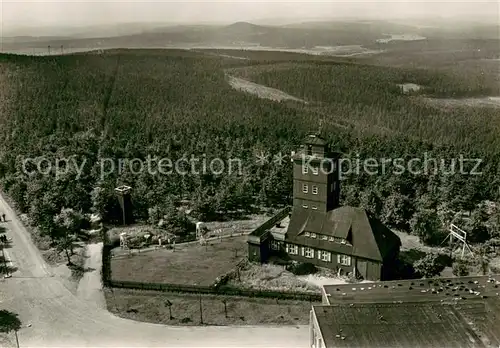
191,264
150,307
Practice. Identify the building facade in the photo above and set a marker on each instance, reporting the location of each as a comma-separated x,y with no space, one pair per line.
317,230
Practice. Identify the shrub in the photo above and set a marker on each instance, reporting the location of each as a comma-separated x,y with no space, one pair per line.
460,269
299,268
444,259
429,266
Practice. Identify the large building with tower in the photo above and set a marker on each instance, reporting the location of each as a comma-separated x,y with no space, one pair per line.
317,230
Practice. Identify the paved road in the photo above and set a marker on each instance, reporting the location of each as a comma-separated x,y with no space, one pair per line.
60,319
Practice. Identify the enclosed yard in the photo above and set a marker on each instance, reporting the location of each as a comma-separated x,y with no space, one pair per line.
151,307
277,278
187,264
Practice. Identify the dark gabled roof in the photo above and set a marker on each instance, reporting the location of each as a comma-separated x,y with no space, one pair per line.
370,238
314,139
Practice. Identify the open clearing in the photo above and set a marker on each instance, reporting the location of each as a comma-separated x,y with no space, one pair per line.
469,102
261,91
336,51
150,307
190,264
401,37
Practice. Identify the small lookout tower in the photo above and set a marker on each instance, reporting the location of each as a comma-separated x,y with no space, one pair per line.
123,193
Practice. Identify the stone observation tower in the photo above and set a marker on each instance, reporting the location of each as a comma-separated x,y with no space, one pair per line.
124,197
316,184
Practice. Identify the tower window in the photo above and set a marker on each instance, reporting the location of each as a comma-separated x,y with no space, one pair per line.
305,188
305,169
315,190
304,206
309,150
314,207
315,170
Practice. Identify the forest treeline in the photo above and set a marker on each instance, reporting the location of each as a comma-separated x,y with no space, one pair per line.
128,104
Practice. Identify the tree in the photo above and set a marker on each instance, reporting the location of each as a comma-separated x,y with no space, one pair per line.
494,223
9,322
397,211
460,269
426,224
105,203
350,195
175,221
429,266
445,214
477,227
68,227
371,201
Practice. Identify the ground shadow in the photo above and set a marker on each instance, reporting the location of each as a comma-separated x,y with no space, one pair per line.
77,268
412,255
6,245
7,270
9,321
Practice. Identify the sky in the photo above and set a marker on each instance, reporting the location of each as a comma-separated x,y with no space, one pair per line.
39,13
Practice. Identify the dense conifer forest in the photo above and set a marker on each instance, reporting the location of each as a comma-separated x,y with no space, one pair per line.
168,104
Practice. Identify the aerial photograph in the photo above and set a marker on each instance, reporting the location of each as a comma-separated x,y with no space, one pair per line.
233,173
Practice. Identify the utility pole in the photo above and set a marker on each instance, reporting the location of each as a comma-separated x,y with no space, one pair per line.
225,307
201,311
169,305
17,338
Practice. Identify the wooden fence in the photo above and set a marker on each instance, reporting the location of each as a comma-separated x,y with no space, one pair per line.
224,290
217,289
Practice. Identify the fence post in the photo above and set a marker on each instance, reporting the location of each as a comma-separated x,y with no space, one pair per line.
201,311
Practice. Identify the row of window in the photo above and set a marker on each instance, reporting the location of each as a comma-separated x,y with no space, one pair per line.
305,170
314,170
322,255
328,238
305,189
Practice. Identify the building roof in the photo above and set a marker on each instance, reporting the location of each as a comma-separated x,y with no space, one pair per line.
370,238
262,232
314,139
474,300
395,325
414,290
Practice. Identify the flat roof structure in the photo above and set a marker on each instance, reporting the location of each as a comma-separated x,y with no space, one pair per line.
394,325
440,312
414,290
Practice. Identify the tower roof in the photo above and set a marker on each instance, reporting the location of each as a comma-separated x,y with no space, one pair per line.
313,139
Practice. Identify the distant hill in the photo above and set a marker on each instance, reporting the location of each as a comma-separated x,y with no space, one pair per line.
241,34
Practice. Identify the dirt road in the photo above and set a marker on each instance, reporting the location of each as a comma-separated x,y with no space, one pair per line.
53,317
